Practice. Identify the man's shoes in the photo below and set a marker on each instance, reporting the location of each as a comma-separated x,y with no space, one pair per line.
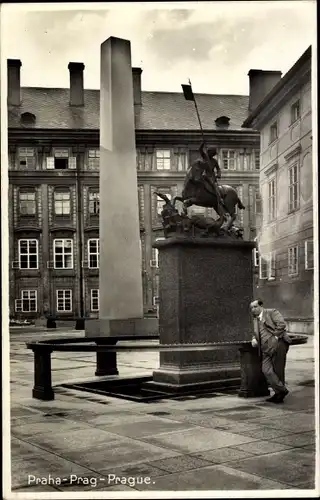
278,397
281,396
272,399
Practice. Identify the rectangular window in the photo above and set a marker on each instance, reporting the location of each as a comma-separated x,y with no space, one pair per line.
229,159
28,301
295,111
64,300
62,202
182,161
256,258
27,202
271,199
61,157
257,201
94,300
163,159
293,187
94,159
293,261
161,202
28,254
308,255
94,203
63,254
27,158
267,267
273,132
93,253
257,160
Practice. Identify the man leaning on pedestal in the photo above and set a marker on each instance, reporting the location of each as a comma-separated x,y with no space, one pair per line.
271,338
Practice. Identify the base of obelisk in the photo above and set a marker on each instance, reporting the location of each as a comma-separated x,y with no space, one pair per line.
206,286
121,327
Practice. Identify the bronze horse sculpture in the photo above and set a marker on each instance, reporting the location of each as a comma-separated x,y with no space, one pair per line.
195,193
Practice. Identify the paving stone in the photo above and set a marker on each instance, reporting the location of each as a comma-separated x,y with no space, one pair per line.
180,463
222,455
129,422
292,466
262,447
148,427
42,466
297,440
264,433
214,477
139,469
21,411
35,489
295,423
197,439
119,453
44,425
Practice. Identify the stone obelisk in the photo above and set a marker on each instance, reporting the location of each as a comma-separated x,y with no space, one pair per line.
120,255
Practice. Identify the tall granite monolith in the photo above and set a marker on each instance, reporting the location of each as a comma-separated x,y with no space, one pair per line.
206,287
120,271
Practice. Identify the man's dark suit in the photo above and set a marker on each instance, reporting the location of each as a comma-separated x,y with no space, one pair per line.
274,344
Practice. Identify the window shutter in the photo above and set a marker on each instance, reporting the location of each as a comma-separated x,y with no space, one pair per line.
50,162
18,305
263,269
272,266
308,248
256,257
72,162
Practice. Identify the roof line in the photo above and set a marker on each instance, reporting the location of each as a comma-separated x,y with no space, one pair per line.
304,58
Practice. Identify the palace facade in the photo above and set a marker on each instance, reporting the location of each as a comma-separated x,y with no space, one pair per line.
54,184
285,236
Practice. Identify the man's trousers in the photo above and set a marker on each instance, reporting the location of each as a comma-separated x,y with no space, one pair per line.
273,366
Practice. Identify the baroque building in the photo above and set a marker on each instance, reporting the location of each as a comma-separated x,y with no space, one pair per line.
285,235
54,184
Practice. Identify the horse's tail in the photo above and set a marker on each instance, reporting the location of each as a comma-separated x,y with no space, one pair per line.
240,204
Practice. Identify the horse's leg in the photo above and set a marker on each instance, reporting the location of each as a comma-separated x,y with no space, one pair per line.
188,203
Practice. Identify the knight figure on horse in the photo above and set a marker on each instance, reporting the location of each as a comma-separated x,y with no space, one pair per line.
201,188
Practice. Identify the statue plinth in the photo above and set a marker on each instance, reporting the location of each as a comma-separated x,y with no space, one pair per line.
206,286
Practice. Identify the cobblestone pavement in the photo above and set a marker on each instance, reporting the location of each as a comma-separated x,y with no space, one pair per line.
82,442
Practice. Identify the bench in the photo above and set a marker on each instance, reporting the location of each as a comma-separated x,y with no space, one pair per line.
253,383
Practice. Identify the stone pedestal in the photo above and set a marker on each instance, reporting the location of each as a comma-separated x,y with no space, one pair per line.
253,382
206,286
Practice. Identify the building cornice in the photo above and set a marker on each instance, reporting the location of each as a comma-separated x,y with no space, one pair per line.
272,169
289,85
46,137
294,152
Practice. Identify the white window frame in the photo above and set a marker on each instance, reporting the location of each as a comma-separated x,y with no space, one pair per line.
272,200
229,161
25,295
293,270
256,258
267,267
293,187
307,244
257,196
96,253
30,198
63,201
64,299
163,159
29,241
295,106
93,159
94,200
29,156
63,253
274,126
93,299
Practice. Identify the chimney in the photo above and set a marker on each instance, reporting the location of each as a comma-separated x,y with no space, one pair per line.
136,77
14,98
76,84
260,84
